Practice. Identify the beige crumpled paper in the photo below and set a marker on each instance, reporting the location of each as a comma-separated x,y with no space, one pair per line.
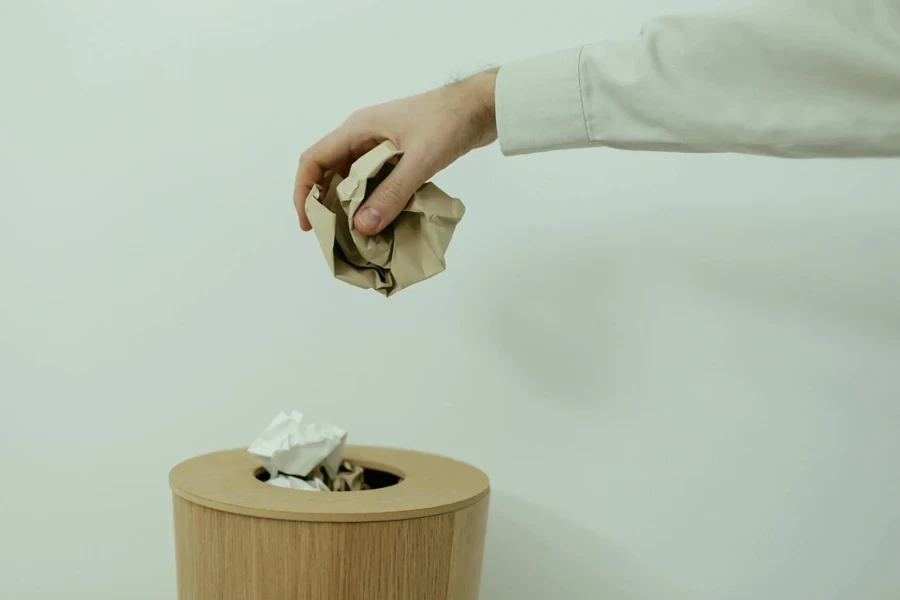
350,478
409,250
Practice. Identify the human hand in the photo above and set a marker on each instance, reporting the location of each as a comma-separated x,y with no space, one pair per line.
431,129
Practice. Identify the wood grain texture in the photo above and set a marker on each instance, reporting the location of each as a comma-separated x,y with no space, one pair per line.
466,557
431,485
226,555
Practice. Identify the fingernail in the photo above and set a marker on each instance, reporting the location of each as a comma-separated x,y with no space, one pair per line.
368,218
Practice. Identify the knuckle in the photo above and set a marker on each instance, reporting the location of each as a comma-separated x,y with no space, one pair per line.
390,192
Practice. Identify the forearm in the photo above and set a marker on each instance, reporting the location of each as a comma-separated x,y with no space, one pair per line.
796,78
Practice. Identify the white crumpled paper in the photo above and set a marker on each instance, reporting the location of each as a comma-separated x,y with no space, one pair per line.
295,483
290,447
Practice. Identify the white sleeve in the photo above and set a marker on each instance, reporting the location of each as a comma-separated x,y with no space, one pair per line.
798,78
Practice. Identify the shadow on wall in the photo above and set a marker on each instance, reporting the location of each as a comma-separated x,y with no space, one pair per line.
544,319
533,554
849,283
564,317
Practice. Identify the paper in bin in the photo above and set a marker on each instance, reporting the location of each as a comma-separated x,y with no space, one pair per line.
295,483
288,446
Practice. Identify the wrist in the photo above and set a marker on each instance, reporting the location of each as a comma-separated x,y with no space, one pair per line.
483,87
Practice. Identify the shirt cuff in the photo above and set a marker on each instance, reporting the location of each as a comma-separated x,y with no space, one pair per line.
538,104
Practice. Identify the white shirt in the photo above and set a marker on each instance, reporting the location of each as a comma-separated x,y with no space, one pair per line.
797,78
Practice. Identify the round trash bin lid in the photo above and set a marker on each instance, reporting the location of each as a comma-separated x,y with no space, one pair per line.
431,485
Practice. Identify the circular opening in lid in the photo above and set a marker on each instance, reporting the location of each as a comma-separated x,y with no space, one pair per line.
374,479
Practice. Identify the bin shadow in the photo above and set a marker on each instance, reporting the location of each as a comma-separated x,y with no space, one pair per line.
534,554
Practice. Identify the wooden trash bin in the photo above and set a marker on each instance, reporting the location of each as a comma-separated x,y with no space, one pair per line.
239,538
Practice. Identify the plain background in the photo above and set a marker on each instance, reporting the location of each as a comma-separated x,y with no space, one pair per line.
681,372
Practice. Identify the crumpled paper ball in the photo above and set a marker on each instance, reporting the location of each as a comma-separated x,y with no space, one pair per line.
409,250
288,446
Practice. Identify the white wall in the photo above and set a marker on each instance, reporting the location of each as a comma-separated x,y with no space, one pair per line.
681,372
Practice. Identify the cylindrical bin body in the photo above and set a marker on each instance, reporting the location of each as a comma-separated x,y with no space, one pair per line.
239,538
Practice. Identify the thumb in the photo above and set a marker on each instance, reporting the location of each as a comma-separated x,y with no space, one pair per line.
391,196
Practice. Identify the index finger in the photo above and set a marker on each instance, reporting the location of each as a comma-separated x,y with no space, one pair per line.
328,154
308,174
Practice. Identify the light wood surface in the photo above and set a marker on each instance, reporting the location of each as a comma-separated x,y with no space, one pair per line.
375,548
431,485
469,527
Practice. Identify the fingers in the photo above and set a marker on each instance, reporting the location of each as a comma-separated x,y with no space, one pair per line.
392,195
308,174
331,153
